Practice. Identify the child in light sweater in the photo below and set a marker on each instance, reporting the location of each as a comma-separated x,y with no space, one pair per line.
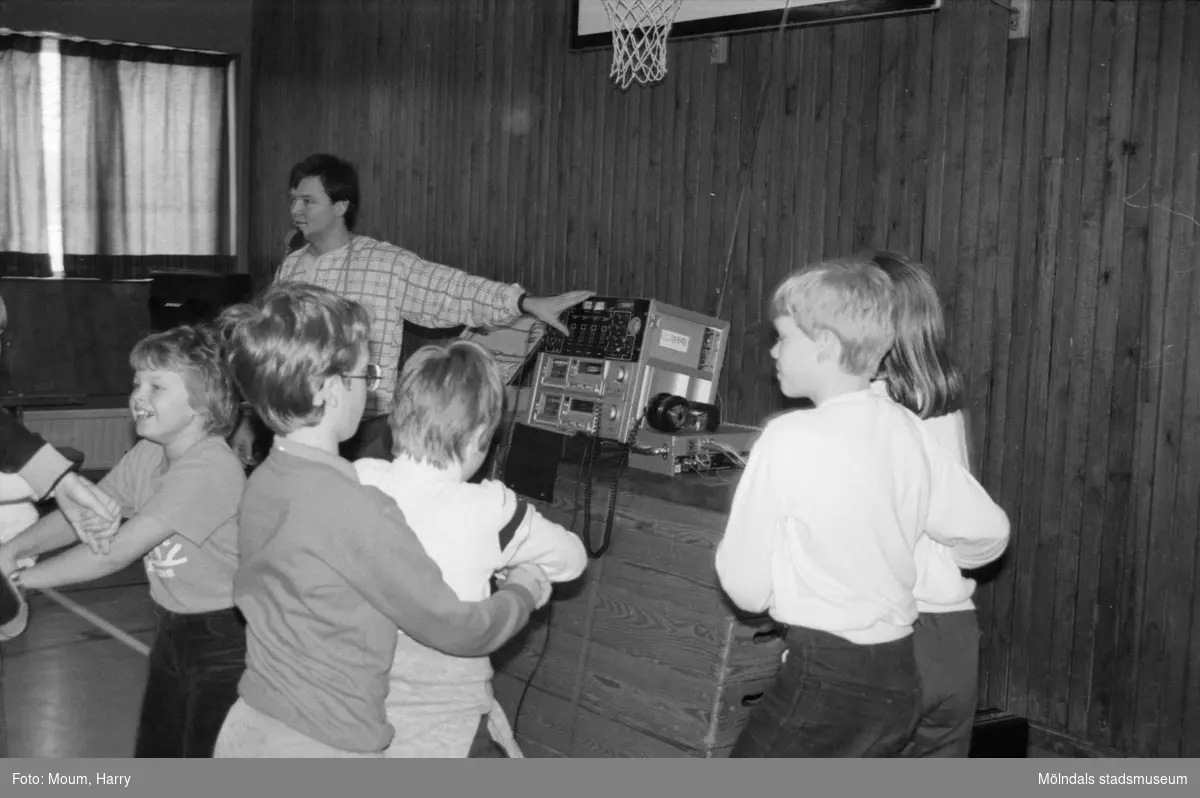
825,521
919,374
448,405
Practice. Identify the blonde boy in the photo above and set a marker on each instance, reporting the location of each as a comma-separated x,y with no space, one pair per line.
329,568
825,520
447,407
179,488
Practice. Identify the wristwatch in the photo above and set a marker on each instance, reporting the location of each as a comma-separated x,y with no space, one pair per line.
521,302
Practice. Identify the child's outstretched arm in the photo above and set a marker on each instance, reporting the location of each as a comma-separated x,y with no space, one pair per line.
48,533
380,556
529,538
45,470
744,554
961,513
194,497
80,563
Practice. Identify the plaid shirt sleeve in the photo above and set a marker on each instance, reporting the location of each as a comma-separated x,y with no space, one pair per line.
396,285
437,296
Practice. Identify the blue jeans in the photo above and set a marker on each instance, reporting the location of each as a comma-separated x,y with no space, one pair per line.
834,698
195,666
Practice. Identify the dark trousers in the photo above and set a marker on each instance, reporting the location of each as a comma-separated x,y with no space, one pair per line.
946,646
834,698
195,665
373,439
483,746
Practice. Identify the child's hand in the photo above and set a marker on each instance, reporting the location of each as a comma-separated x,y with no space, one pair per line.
93,514
98,534
532,578
78,497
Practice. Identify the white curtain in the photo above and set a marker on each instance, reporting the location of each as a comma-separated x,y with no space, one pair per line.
144,151
22,179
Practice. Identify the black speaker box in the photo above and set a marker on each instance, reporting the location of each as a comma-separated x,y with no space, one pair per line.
192,297
531,461
999,735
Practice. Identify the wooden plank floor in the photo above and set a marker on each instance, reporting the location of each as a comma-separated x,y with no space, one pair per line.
70,689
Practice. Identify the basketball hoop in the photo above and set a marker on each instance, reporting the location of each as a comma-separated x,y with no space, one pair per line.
640,29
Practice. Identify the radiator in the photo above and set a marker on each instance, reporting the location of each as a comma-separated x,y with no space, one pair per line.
103,435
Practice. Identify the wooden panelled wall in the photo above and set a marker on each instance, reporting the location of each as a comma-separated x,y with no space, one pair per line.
1049,182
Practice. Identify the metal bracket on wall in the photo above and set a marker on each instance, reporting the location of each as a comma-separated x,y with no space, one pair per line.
1018,19
719,53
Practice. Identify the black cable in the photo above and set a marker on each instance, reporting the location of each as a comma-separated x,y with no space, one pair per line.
583,479
593,451
612,487
537,664
590,453
744,169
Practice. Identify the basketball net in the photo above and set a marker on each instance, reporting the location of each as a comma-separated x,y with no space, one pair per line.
640,29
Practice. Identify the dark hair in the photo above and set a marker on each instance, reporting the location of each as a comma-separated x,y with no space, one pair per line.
339,178
261,438
281,345
919,371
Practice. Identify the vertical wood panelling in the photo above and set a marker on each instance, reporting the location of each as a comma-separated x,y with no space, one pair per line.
1144,539
1170,568
1050,183
1103,362
1068,323
995,604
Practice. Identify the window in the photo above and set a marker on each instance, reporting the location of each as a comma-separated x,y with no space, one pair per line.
50,65
135,158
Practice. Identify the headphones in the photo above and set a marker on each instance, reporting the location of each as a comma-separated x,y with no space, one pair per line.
671,413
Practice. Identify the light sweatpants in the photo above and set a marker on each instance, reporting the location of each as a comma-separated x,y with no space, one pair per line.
249,734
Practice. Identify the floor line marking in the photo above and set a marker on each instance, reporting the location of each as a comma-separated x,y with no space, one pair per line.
96,620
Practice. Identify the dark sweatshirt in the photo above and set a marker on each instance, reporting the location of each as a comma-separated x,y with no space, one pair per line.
328,570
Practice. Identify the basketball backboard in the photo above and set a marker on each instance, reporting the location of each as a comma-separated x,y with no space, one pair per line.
700,18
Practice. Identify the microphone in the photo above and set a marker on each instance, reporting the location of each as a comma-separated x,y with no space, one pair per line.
293,241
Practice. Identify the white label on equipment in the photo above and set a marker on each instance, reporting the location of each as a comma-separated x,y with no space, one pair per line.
675,341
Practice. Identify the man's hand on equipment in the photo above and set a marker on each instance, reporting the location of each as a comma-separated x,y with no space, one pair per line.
549,308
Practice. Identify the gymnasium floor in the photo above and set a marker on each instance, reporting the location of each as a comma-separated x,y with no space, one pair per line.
70,688
73,681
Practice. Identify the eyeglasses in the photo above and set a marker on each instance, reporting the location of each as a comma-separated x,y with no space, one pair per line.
374,376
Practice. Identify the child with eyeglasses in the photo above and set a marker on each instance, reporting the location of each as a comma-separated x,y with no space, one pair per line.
329,568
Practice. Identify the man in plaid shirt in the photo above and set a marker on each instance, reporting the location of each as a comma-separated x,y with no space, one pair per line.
392,283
